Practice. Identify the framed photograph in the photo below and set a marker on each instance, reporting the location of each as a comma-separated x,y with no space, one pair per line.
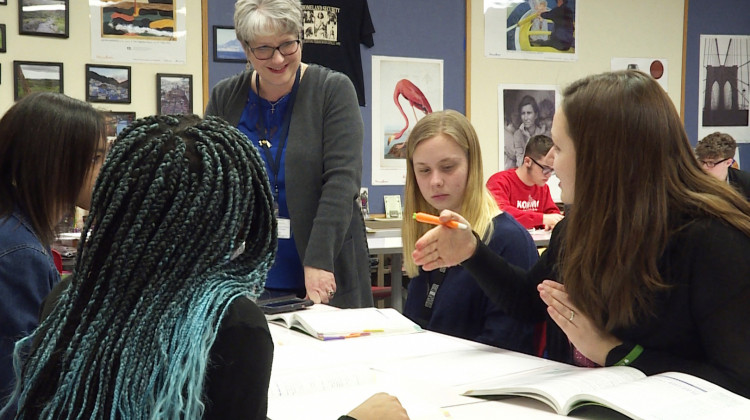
108,83
116,121
2,37
523,111
722,90
174,93
43,17
3,2
226,45
36,76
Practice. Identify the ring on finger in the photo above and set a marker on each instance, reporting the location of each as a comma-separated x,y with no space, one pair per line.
572,315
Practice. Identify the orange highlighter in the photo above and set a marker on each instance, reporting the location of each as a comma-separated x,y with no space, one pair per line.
434,220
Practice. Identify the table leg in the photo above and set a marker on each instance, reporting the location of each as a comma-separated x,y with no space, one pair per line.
396,283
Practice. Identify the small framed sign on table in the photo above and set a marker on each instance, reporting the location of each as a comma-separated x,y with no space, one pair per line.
392,206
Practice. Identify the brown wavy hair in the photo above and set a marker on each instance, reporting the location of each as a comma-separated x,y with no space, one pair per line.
636,175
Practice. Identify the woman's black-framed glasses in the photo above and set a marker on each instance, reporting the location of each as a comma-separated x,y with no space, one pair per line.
546,170
265,52
710,164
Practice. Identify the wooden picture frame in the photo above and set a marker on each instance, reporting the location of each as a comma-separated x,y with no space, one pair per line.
3,38
116,121
109,84
226,46
52,20
174,93
36,76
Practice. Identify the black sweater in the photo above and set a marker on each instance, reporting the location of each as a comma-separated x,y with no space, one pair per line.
699,326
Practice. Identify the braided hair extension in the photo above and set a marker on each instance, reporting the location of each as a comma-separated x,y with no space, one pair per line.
176,197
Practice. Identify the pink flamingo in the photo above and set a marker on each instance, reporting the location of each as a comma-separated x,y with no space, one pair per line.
416,99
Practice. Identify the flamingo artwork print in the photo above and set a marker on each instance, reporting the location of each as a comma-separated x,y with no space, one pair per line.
417,100
404,90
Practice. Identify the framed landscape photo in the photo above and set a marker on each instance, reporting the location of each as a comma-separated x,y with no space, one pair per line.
116,121
43,17
226,45
2,37
36,76
174,93
108,83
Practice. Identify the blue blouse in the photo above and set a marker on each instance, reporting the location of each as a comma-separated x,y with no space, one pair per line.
287,272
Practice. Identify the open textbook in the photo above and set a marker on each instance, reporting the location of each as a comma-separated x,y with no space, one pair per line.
345,323
669,395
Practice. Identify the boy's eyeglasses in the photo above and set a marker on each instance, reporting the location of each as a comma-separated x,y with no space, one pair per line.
711,164
546,170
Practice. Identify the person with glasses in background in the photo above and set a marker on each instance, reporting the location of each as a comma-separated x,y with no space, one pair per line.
715,153
523,192
305,121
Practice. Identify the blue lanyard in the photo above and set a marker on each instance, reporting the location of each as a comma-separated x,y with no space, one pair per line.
263,141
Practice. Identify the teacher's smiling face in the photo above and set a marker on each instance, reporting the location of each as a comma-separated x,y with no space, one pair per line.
278,71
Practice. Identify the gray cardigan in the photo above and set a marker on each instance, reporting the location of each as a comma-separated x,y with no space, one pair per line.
323,173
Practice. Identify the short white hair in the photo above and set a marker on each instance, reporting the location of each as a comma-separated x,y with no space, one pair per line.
257,18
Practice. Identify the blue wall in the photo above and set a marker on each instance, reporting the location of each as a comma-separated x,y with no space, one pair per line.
413,28
710,17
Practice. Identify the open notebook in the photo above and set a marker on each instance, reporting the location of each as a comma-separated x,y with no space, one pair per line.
345,323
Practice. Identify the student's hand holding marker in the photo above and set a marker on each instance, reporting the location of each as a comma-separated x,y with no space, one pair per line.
443,245
435,220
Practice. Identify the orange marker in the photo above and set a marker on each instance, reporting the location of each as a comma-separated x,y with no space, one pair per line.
434,220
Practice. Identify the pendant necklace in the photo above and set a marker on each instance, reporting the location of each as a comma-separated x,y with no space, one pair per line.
273,104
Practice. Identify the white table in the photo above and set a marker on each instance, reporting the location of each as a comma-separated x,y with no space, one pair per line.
427,371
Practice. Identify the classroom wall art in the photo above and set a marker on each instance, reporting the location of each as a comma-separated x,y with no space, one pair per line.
116,121
36,76
226,45
523,111
138,31
174,93
108,83
404,91
531,29
43,17
724,86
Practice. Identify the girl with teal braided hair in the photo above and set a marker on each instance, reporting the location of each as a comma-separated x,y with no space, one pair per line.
156,322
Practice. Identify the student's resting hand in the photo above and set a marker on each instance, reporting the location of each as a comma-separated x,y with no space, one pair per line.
551,219
442,246
592,342
380,406
319,284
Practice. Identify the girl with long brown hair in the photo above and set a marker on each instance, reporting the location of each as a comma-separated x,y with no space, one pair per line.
650,266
